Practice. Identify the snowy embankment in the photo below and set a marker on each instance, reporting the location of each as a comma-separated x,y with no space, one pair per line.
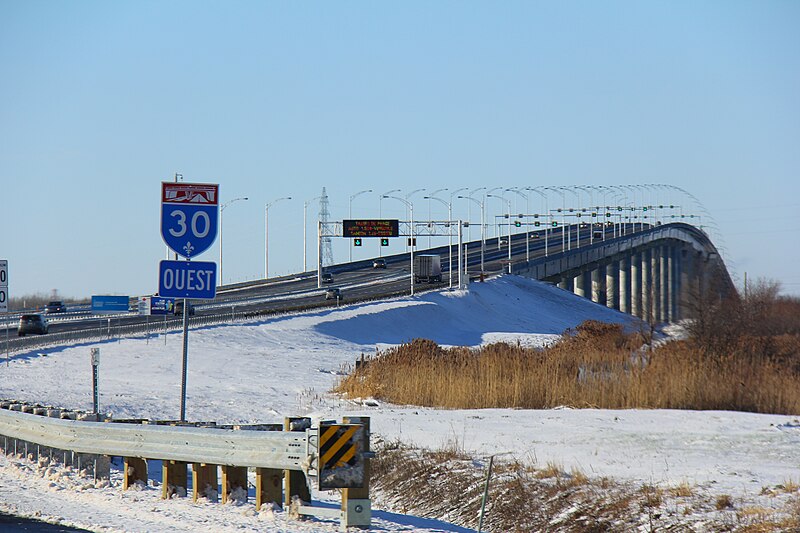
264,370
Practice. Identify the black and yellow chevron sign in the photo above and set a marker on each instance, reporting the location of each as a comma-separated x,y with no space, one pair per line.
337,445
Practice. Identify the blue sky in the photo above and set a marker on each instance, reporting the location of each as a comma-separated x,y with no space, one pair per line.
101,101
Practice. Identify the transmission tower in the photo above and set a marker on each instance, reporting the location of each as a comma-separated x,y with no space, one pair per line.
324,217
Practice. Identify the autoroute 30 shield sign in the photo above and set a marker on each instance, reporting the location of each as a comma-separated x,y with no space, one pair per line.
189,216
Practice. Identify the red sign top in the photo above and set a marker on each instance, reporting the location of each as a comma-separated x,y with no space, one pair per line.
189,193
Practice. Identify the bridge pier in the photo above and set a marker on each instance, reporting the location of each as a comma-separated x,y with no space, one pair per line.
664,283
612,285
655,280
646,311
625,284
636,284
599,284
583,284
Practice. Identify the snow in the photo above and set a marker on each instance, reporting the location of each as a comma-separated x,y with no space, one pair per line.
261,371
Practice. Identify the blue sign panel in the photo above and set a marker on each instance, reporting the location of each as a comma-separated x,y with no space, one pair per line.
110,304
187,279
189,216
162,306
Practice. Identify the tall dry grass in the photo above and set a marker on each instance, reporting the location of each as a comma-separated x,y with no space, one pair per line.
597,365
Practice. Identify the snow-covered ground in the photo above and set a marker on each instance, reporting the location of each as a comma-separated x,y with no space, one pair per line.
264,370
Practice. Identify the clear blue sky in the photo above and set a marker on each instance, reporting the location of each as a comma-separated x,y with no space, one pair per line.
101,101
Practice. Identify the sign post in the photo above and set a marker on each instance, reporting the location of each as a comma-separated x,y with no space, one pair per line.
4,297
189,215
95,371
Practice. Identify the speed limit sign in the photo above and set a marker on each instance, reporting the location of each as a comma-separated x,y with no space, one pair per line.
189,216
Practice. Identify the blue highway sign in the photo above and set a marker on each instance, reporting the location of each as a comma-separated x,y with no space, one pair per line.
110,304
187,279
189,216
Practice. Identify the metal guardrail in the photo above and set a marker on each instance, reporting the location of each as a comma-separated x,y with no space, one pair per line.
267,449
336,454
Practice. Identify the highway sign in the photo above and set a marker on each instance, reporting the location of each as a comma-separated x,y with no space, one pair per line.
187,279
156,305
109,304
189,216
3,286
370,228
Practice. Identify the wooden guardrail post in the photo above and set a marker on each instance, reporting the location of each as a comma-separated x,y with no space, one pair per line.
269,487
135,469
295,481
173,479
204,481
234,478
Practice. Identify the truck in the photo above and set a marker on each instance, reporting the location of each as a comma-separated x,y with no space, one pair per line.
427,268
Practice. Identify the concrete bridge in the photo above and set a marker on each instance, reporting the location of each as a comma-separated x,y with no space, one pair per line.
659,274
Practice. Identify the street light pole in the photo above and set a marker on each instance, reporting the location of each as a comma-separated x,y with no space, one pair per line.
547,211
266,234
527,212
449,233
508,206
305,209
221,210
380,214
350,214
410,207
483,235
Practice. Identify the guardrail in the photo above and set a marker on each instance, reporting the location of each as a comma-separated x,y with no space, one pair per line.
335,454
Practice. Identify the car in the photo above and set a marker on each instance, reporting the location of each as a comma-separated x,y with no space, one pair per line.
56,306
178,308
333,294
379,263
32,324
327,277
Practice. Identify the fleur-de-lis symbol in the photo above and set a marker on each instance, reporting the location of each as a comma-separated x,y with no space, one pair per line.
188,248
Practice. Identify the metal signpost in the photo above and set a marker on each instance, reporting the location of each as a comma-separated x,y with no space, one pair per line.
4,296
189,216
95,377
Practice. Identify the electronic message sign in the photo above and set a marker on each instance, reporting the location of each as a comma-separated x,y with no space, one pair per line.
370,228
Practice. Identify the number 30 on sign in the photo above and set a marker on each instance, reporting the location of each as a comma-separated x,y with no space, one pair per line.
189,216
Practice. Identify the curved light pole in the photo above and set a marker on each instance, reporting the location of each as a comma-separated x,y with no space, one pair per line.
450,235
577,197
483,236
266,233
508,205
546,210
305,208
221,210
469,216
410,207
527,211
408,199
486,195
380,213
350,213
564,240
429,208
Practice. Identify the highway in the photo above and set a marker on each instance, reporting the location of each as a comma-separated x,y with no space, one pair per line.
358,281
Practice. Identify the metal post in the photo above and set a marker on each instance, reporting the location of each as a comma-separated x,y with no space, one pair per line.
185,358
485,493
95,352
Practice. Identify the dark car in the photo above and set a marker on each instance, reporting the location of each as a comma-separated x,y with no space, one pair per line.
327,277
379,263
56,306
32,324
333,294
178,308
